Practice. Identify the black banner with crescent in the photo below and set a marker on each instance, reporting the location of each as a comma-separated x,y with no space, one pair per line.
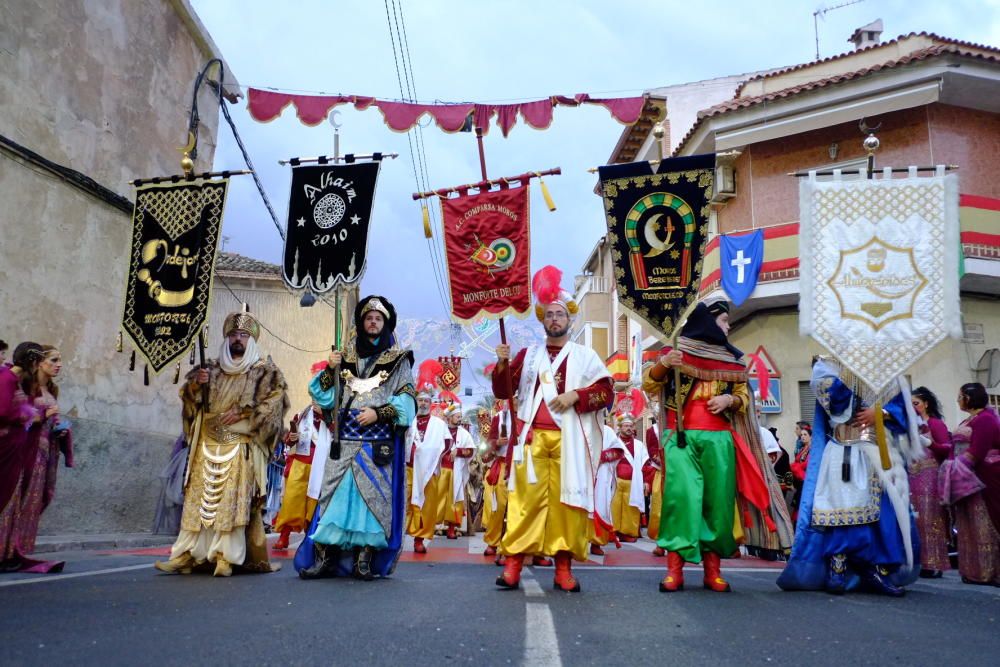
329,213
657,227
175,233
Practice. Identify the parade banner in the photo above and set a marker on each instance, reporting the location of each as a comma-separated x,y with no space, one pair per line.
175,232
879,269
451,373
657,218
742,256
329,213
487,244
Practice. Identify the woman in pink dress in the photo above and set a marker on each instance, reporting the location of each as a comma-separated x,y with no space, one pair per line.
932,519
35,487
977,517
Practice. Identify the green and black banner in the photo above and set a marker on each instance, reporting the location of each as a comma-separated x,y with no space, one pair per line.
657,226
175,233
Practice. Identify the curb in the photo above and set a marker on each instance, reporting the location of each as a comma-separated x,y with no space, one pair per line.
56,543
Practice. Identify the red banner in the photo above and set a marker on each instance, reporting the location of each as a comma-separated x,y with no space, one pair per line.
451,373
488,249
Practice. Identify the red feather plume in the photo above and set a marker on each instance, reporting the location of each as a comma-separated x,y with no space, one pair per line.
488,371
428,373
318,366
763,377
546,285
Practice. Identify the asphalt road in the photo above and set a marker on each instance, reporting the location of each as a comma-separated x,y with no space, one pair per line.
114,609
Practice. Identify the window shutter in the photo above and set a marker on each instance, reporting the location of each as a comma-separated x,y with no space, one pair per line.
807,402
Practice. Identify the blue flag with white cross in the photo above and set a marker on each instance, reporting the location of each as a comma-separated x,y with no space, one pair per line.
741,257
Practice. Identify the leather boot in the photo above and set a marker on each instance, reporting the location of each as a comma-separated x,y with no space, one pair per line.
363,564
418,545
511,577
324,563
179,564
282,541
713,573
222,568
674,581
836,575
564,579
596,550
659,552
490,550
541,561
451,532
876,579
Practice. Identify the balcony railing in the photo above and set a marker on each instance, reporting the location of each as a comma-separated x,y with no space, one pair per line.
588,284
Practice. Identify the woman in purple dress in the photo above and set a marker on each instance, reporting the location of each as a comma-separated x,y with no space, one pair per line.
33,491
932,519
977,517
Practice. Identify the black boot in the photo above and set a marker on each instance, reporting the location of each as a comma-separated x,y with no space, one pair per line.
324,565
363,564
876,580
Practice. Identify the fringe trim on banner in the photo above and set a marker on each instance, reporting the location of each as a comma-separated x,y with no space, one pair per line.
806,222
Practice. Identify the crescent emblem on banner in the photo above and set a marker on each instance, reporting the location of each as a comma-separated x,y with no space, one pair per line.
657,246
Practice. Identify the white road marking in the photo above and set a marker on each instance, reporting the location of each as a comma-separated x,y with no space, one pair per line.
663,568
74,575
532,588
541,647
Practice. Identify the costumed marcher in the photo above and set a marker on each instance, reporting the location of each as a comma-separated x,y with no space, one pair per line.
653,478
232,412
358,525
629,460
167,518
495,482
563,387
605,478
719,464
33,436
855,528
932,517
425,442
458,450
972,487
307,441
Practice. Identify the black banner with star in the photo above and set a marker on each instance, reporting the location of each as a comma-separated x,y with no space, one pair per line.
657,226
329,212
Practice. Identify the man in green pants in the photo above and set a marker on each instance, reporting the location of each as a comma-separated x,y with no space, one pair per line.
718,461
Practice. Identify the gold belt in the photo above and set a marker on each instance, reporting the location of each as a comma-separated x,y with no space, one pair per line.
846,433
219,432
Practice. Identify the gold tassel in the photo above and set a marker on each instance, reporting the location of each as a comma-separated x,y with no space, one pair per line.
427,221
246,307
191,356
177,373
545,194
883,449
118,343
204,337
131,362
145,374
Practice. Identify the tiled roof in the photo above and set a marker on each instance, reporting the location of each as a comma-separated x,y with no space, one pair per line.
232,263
916,56
847,54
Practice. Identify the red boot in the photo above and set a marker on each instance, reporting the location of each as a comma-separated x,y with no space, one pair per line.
674,581
541,561
490,550
451,532
713,573
282,541
596,550
511,577
564,579
418,545
659,552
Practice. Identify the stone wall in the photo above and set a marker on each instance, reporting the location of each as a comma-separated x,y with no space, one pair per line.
103,89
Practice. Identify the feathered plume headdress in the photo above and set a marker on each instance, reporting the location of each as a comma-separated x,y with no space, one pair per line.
629,405
427,377
548,290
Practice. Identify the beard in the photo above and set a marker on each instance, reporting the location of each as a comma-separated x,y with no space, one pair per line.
423,411
556,331
236,349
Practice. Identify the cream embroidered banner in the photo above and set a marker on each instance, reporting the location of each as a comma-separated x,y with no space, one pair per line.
879,269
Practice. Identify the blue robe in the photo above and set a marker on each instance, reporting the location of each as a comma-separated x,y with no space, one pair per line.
879,543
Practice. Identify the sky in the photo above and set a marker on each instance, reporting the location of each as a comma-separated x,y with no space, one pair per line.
477,51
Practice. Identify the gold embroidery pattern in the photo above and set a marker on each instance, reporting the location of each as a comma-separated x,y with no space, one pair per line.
853,516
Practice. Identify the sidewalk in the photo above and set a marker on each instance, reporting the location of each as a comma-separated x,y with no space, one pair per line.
102,541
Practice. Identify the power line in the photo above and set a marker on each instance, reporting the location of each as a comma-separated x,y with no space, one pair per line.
263,326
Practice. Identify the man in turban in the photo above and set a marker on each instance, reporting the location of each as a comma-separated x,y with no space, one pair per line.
233,411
